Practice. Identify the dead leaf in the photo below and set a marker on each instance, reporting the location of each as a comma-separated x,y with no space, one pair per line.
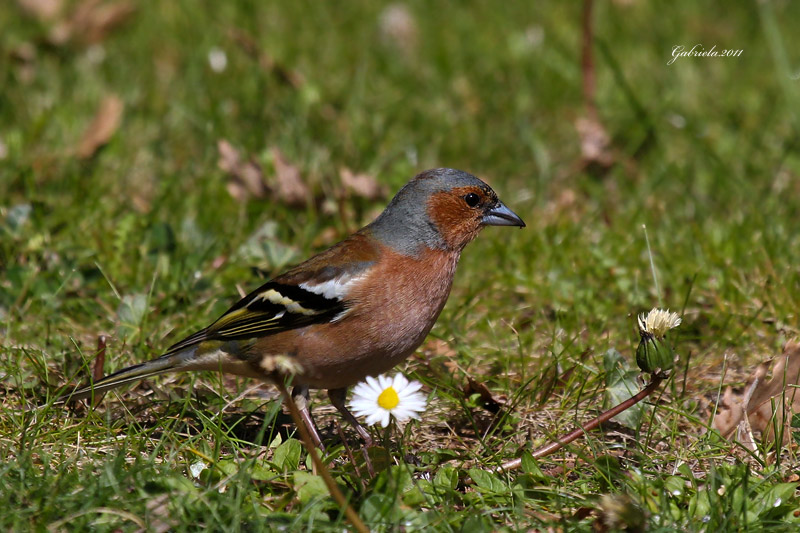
326,237
618,512
764,404
397,27
490,402
729,413
159,518
438,348
43,10
245,178
289,185
563,203
24,59
218,261
105,123
439,352
91,21
363,185
596,153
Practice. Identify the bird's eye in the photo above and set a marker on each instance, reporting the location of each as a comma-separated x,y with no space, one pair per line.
472,199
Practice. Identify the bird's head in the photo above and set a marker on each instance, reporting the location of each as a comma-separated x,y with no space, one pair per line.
442,208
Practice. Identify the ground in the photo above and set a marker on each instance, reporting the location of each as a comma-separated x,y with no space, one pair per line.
157,160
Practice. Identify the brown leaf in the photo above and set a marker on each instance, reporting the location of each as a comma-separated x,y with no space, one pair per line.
438,348
397,27
245,178
764,403
729,413
786,372
218,261
159,518
363,185
42,10
596,153
490,403
618,512
326,237
774,404
289,185
105,123
91,21
24,61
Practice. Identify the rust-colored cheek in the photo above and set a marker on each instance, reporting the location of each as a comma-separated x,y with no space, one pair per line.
456,221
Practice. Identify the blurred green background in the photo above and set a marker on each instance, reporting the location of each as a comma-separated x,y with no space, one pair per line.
122,213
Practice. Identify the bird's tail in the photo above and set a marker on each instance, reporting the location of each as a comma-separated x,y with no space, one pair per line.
166,363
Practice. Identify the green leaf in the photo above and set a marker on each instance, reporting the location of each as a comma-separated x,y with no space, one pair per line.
621,384
608,470
478,524
18,216
287,455
776,497
420,494
130,313
261,472
446,477
488,482
531,466
309,487
380,507
162,238
675,486
264,249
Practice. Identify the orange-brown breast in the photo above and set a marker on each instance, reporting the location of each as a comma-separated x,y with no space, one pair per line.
394,307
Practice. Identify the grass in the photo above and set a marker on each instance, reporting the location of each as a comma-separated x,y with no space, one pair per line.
143,242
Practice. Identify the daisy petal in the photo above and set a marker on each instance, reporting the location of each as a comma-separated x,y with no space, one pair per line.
366,395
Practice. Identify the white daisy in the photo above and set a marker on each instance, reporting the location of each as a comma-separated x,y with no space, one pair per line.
377,399
657,322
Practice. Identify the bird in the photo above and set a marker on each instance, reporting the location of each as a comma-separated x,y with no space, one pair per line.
354,310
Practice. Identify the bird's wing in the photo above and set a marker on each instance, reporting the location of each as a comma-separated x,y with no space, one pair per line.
313,292
279,306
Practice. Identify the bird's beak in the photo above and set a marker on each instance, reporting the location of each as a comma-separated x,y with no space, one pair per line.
500,215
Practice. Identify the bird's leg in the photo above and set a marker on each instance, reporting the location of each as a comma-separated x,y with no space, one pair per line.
301,398
337,397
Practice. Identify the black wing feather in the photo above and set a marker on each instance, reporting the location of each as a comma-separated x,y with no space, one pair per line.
255,316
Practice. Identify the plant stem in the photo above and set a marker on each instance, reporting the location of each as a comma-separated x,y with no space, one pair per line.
589,426
333,488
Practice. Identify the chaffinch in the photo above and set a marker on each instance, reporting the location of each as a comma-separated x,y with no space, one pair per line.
355,310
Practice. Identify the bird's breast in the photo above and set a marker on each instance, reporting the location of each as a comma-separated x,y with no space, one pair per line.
390,312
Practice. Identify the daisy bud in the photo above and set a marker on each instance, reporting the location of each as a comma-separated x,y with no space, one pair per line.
655,353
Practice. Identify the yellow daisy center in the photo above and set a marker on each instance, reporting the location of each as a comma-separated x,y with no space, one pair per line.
388,398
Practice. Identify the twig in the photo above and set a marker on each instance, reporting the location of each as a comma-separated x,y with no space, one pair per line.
337,495
603,417
587,62
99,363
